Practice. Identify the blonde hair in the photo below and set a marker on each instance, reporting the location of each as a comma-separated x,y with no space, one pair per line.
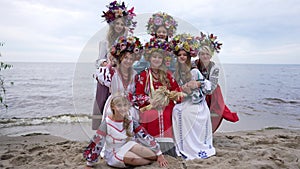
112,35
207,49
162,71
119,98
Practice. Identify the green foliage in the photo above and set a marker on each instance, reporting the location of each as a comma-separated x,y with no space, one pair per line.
3,66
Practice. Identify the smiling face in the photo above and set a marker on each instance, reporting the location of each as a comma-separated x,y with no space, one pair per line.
162,33
120,107
156,60
127,60
205,55
119,25
182,56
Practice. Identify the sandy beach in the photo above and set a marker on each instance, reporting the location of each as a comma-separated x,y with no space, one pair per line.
267,148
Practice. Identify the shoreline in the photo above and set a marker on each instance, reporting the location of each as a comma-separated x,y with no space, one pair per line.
81,131
267,148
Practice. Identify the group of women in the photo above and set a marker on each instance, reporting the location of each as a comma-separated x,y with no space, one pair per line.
159,110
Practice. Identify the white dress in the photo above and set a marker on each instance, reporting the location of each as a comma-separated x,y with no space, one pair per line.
117,145
112,135
115,84
192,124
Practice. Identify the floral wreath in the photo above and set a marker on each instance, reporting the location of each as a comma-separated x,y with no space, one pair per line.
186,42
210,41
157,45
162,19
117,10
126,44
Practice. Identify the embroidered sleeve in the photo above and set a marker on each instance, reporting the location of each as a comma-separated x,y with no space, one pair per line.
214,77
141,97
206,85
92,151
142,137
103,76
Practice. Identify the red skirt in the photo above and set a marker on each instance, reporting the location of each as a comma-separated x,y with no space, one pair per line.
157,124
217,106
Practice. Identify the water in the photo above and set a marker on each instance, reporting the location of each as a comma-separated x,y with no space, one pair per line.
57,98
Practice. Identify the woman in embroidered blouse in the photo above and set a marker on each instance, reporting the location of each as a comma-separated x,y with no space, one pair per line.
210,71
122,78
119,25
157,123
191,118
126,142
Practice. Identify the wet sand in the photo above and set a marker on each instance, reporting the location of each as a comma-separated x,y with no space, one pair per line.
267,148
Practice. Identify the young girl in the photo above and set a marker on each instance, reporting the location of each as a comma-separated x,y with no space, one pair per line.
191,118
127,143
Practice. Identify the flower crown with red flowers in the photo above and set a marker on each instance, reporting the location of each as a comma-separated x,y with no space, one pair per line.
157,45
162,19
186,42
130,44
117,10
210,41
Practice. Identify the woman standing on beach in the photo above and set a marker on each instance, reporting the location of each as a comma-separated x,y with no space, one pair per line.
210,70
157,123
191,118
120,21
126,142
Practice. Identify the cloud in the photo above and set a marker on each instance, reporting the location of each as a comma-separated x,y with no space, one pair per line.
62,28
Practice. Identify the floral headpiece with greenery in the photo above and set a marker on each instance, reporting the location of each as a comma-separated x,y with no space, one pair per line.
126,44
162,19
157,45
210,41
186,42
117,10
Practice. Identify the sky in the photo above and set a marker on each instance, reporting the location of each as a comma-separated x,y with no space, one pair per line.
252,31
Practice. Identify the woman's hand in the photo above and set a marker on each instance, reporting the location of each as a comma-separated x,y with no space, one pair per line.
185,88
162,161
193,84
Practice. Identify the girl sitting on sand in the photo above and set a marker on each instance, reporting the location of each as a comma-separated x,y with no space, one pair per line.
127,143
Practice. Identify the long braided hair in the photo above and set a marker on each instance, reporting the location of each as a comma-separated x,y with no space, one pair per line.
126,121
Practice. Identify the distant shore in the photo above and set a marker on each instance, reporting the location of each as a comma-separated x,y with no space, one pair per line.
267,148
